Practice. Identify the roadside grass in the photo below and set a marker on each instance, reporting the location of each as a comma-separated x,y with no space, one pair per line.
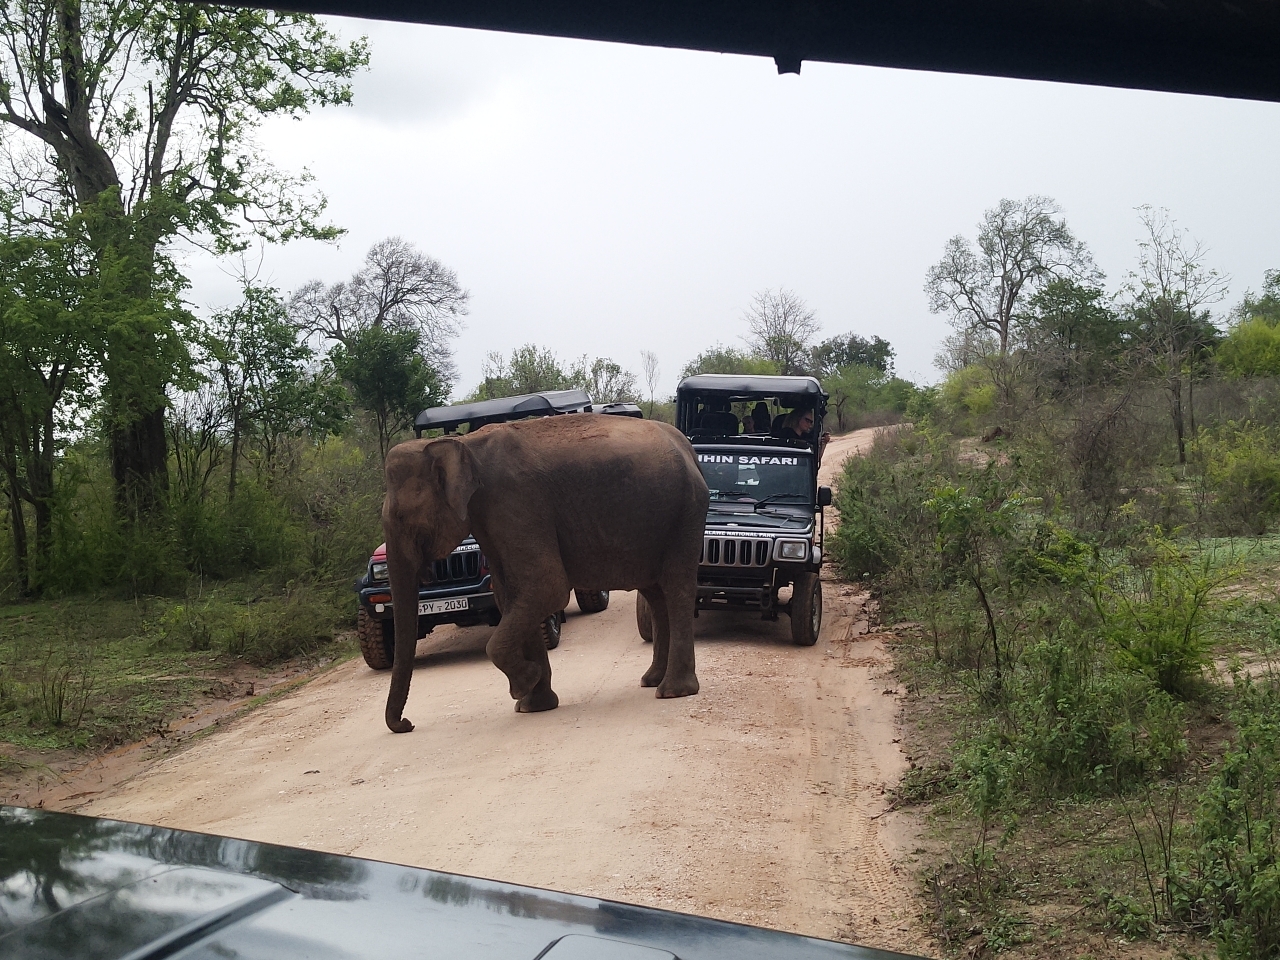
94,673
1064,877
1093,719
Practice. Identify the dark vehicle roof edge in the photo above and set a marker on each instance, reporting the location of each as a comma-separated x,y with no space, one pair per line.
748,383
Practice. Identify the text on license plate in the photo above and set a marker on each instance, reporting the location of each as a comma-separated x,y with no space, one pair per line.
441,606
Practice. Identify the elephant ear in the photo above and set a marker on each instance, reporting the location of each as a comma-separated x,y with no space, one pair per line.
455,472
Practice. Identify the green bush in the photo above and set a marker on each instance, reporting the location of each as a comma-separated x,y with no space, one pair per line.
263,631
1153,612
1238,828
1074,725
1241,477
967,397
272,630
880,497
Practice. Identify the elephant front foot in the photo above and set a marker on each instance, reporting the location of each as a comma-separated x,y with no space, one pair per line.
685,687
400,725
653,676
542,698
525,679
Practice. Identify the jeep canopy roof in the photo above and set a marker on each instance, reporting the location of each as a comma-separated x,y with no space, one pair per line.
789,391
482,412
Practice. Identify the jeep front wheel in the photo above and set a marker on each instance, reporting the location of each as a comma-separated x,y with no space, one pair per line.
551,631
806,610
644,618
377,640
592,601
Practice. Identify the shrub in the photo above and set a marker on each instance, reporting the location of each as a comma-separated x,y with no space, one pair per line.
1241,476
1152,613
880,498
967,396
1238,828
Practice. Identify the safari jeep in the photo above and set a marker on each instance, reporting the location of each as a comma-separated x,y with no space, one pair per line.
764,530
459,588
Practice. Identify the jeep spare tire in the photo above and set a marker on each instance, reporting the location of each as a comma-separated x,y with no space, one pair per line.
377,640
592,601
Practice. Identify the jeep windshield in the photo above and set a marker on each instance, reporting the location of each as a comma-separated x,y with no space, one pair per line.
767,478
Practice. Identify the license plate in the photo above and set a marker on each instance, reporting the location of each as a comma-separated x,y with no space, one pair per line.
442,606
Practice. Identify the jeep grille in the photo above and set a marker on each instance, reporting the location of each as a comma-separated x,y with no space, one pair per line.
735,552
456,567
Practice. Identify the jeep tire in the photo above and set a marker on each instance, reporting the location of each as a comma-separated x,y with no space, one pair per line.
592,601
550,628
806,610
644,618
377,639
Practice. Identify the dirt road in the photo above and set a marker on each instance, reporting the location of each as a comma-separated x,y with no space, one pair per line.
758,800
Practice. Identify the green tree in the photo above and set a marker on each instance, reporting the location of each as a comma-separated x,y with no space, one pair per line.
854,388
140,114
848,350
1070,334
720,359
50,339
1252,345
531,369
388,377
260,363
604,380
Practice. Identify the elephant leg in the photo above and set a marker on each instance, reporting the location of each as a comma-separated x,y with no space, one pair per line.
680,593
541,697
510,648
404,570
661,637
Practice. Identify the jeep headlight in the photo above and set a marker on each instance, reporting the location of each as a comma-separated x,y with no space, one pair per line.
378,571
793,549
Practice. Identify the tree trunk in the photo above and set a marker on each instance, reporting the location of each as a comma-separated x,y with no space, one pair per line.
1179,423
140,463
17,523
235,457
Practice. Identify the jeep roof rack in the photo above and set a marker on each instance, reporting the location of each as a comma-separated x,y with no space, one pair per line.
482,412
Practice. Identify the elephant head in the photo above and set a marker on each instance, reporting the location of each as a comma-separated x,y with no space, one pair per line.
424,516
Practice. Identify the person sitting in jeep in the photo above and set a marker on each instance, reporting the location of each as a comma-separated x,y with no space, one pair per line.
798,425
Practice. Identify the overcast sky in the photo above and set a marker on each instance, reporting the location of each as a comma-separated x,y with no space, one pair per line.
604,199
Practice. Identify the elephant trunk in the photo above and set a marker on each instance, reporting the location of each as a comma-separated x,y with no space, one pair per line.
404,574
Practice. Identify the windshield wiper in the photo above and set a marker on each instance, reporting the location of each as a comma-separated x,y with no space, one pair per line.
774,497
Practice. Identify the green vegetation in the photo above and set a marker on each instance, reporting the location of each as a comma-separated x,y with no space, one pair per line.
1090,596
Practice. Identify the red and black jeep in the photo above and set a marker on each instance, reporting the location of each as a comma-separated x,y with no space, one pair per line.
459,588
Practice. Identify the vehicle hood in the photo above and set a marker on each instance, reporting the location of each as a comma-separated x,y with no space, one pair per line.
724,515
79,887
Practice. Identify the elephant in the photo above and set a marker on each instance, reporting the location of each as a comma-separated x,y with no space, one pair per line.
579,501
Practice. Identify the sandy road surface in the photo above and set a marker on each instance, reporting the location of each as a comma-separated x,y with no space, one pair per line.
755,801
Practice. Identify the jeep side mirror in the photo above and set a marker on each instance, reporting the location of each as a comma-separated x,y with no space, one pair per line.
824,496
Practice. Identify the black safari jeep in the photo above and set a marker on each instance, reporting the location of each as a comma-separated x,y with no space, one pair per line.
459,588
764,524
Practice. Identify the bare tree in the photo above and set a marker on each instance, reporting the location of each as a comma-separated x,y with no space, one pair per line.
782,328
398,287
649,365
1021,246
1169,295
